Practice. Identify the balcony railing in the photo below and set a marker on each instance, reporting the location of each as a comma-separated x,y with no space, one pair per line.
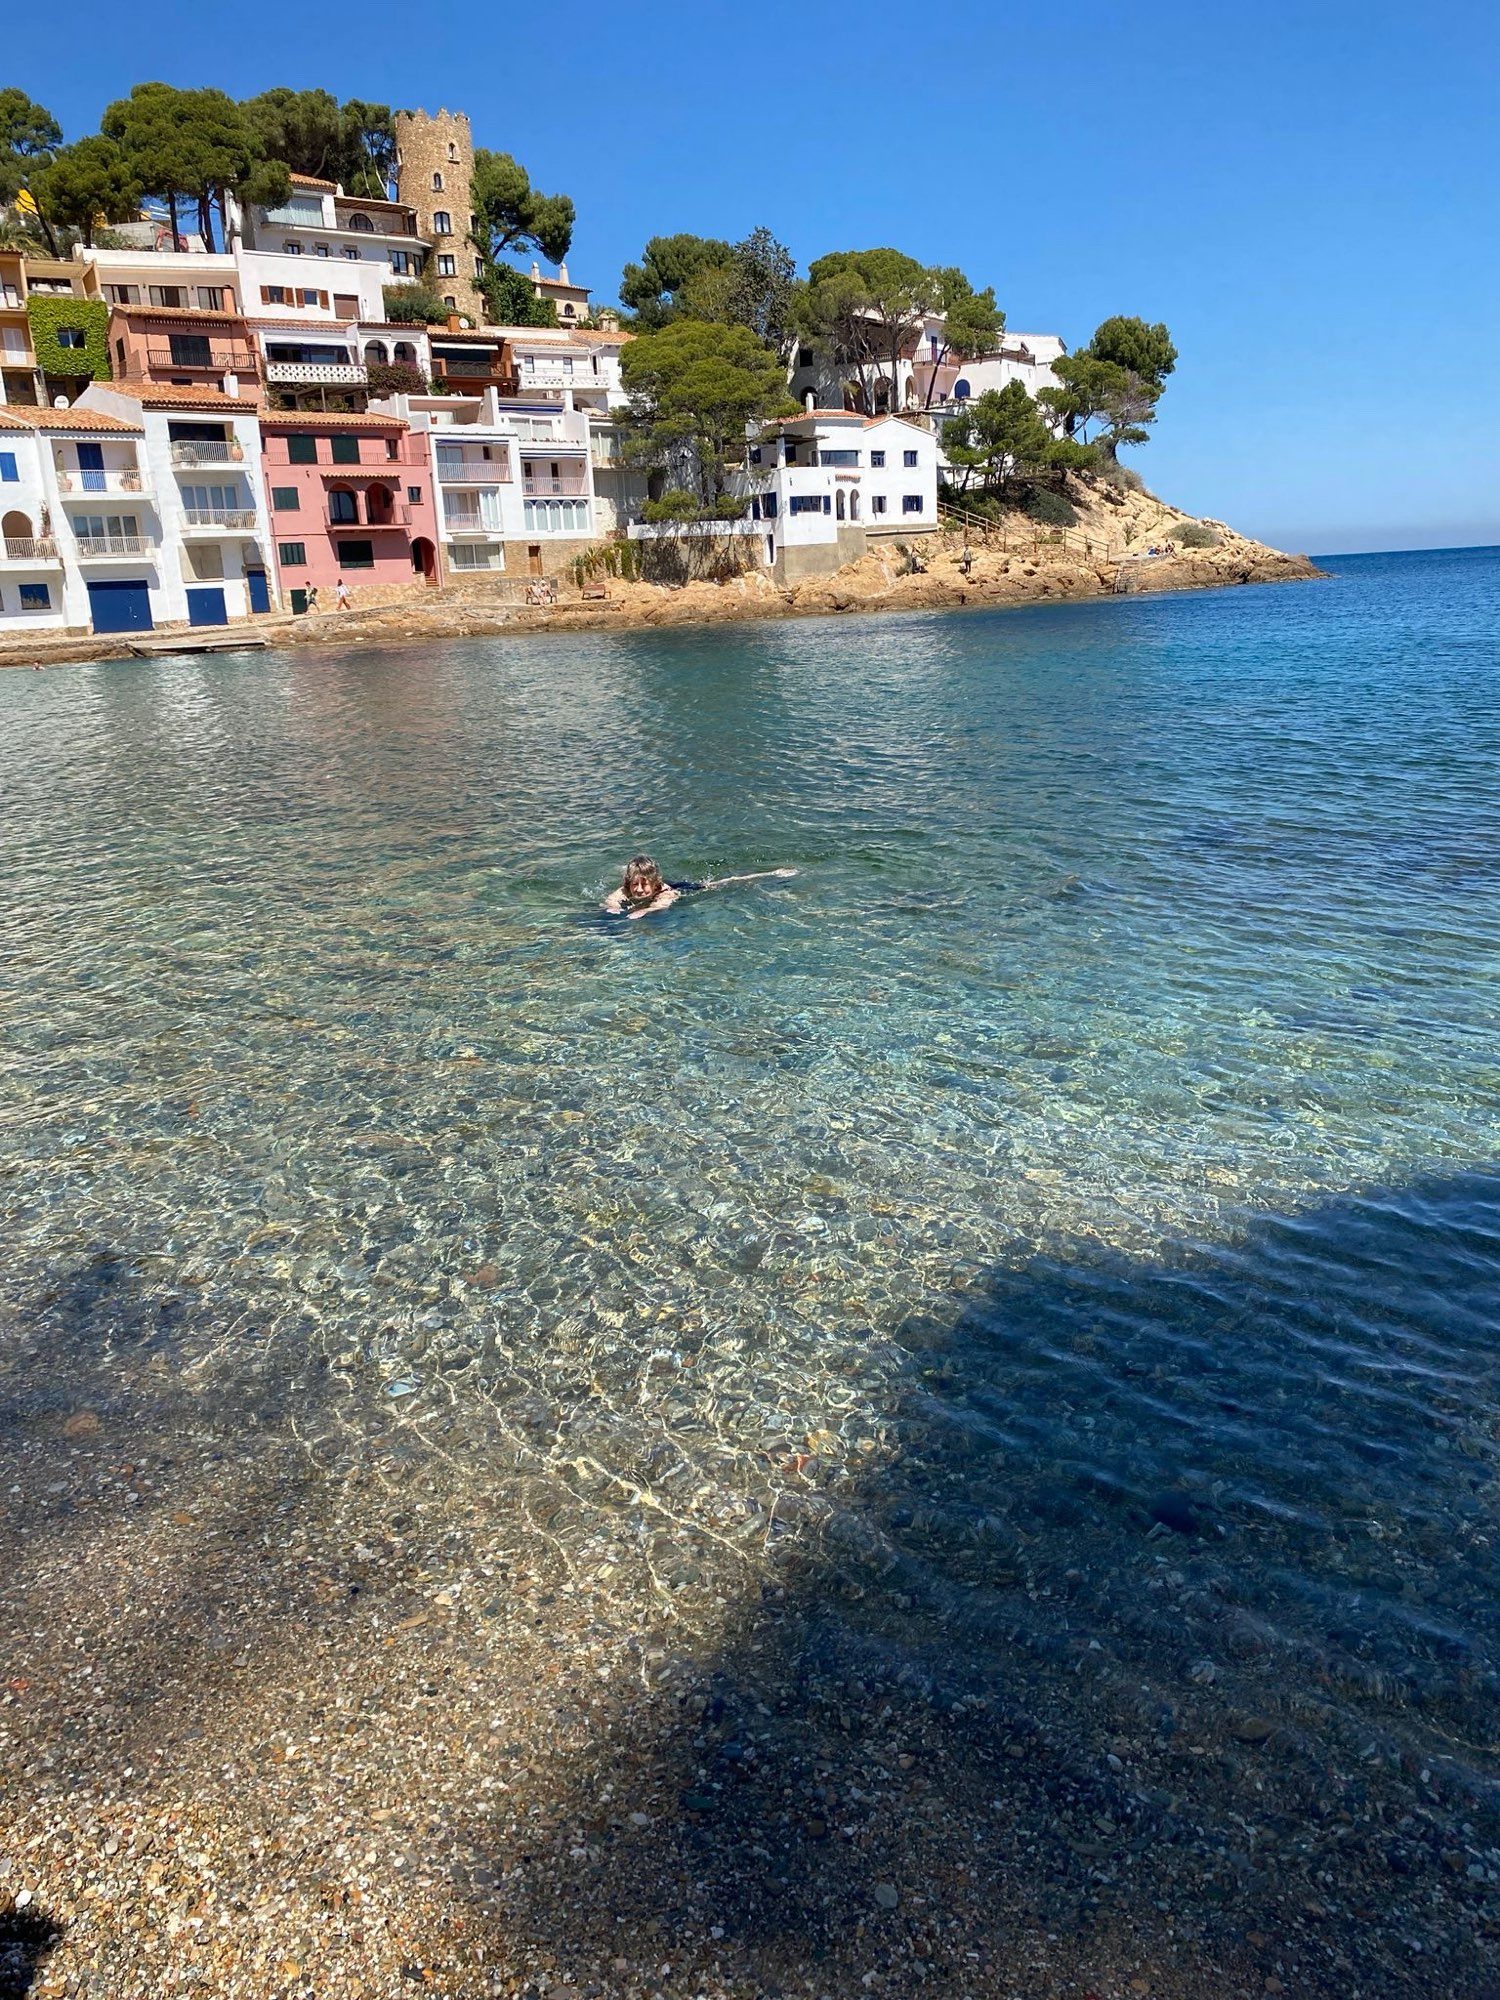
347,374
207,451
345,211
398,515
484,530
31,549
570,489
224,360
476,472
110,479
223,520
548,430
91,548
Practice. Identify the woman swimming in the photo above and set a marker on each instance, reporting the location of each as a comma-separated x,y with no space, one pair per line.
643,889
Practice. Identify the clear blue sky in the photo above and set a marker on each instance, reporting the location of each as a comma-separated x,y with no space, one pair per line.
1306,194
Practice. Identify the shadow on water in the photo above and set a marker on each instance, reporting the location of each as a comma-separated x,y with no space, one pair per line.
1160,1648
26,1938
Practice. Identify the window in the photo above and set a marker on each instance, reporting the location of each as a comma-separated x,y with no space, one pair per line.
804,357
286,499
342,506
292,249
911,503
392,447
320,249
310,298
478,267
414,494
203,561
877,458
475,555
447,268
122,295
877,503
401,263
473,225
449,300
345,450
8,465
755,454
168,295
70,336
211,298
908,458
806,503
442,222
360,222
437,183
273,295
190,350
35,597
356,555
301,449
292,555
768,506
452,150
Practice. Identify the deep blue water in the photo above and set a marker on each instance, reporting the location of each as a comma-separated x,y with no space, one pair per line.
1106,1111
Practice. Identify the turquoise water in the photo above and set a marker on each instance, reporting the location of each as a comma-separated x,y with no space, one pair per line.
1106,1111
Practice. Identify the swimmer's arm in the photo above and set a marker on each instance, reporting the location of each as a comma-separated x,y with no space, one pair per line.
614,902
664,901
764,875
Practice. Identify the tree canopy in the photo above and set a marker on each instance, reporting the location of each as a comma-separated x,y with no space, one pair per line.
513,215
866,311
997,434
693,386
312,133
193,147
1130,343
510,299
28,134
82,185
653,288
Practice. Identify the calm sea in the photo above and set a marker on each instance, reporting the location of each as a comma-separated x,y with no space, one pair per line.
1086,1164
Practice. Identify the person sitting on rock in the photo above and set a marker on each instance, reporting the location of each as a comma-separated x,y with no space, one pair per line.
643,889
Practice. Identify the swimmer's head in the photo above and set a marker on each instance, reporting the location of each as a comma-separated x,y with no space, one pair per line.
643,880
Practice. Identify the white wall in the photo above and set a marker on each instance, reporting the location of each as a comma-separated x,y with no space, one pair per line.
363,280
29,493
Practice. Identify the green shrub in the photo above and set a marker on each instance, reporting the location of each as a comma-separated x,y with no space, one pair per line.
49,315
396,378
677,504
1196,535
619,559
1124,478
1048,507
414,305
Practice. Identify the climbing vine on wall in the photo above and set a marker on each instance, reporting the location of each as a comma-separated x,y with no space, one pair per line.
50,317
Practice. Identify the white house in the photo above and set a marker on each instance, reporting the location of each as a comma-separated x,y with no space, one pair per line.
513,480
824,484
319,221
1021,357
204,492
33,582
582,365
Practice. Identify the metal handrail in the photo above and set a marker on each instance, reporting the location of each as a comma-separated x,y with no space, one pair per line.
110,545
31,548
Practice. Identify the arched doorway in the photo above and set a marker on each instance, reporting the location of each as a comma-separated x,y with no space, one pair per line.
838,503
343,506
16,527
375,352
380,506
853,506
424,559
406,352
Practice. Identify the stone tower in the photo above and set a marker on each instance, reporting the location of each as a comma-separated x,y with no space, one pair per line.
434,175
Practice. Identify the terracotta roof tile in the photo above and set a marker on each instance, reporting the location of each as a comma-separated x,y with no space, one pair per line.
183,396
70,419
10,422
173,312
312,181
322,420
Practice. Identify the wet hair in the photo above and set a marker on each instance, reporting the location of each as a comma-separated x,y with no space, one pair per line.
642,878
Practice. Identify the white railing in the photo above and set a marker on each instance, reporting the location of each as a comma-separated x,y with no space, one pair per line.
477,472
571,489
91,547
237,519
30,548
487,530
347,373
546,430
207,452
113,479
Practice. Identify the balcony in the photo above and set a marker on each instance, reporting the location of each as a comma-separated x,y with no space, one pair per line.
473,530
345,210
224,359
29,549
218,451
218,520
570,489
110,548
341,374
398,515
475,472
77,484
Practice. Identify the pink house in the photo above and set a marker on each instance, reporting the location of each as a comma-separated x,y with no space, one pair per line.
351,497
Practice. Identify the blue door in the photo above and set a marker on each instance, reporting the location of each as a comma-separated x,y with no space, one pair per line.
206,607
91,465
120,607
260,590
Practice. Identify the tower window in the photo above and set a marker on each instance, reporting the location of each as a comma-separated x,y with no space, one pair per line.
442,222
452,150
437,183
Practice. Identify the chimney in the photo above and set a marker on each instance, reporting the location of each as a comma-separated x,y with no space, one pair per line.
455,324
231,385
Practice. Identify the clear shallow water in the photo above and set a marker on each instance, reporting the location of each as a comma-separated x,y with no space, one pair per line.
1107,1109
